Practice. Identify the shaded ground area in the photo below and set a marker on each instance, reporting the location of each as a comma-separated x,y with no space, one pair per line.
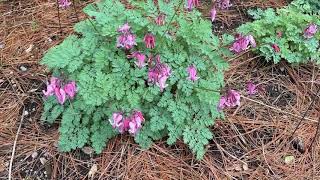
255,141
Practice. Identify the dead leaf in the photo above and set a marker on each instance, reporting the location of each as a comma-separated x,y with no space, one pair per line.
245,166
93,171
34,154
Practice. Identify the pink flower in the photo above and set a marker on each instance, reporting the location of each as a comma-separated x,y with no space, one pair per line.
159,74
223,4
242,43
126,41
192,3
251,88
117,122
136,122
279,34
64,3
60,95
222,103
141,58
233,98
213,14
251,40
149,40
192,73
160,20
276,48
70,89
54,83
310,31
124,29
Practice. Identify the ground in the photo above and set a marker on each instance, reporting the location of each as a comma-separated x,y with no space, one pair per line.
260,139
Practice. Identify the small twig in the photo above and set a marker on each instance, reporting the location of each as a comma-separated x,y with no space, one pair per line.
276,109
15,143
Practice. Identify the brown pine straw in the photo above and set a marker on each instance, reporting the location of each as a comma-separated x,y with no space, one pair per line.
251,143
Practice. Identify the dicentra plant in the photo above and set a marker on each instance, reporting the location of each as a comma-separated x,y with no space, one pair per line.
152,70
288,33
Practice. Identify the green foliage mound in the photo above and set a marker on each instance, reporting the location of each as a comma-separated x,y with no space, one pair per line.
109,82
284,28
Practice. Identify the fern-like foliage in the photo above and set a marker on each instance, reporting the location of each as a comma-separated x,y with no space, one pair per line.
110,82
284,28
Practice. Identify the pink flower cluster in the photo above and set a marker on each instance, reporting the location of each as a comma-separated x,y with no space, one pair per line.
159,73
62,93
310,31
232,98
131,124
64,3
126,39
242,43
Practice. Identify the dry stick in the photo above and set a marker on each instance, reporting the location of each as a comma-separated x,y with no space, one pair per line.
59,16
279,110
15,143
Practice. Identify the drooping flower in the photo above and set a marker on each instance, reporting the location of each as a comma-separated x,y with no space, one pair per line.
60,95
135,123
54,83
150,40
242,43
141,58
117,121
279,34
222,103
213,13
251,88
124,28
159,73
64,3
233,98
70,89
126,39
192,71
192,3
276,48
310,31
251,40
224,4
160,20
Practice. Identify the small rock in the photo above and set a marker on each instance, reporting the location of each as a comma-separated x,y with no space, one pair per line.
26,113
1,45
23,68
288,159
93,171
87,150
34,154
281,69
43,160
33,109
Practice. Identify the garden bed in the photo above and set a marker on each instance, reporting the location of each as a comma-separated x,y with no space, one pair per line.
255,140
